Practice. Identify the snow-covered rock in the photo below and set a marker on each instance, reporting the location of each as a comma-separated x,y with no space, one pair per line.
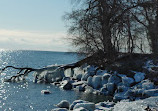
75,102
66,78
150,92
85,76
106,104
78,77
96,82
127,81
89,81
114,79
104,91
89,106
66,85
45,92
101,72
101,108
110,88
120,96
122,88
90,70
78,83
105,78
80,88
78,73
68,72
59,109
49,74
80,109
145,84
139,89
132,93
96,92
89,89
63,104
139,76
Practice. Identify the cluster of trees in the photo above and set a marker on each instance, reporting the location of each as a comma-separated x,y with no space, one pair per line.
112,26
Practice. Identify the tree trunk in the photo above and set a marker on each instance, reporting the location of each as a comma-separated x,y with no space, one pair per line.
108,46
104,20
153,32
154,42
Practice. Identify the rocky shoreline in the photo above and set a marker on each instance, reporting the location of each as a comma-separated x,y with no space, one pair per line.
89,79
148,104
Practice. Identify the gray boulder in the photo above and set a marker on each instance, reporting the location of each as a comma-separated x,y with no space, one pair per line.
104,91
120,96
122,88
105,78
85,76
89,106
96,82
90,69
89,81
132,93
89,89
150,92
66,78
79,76
75,102
106,104
114,79
63,104
145,84
110,88
101,72
139,76
75,84
80,88
127,81
66,85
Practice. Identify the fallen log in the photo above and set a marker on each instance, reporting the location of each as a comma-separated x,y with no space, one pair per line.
24,71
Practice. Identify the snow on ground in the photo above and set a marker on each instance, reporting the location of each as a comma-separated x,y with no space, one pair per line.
138,105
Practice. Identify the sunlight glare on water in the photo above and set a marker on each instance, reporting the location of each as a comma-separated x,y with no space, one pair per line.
26,96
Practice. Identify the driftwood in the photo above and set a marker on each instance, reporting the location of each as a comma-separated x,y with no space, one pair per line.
24,71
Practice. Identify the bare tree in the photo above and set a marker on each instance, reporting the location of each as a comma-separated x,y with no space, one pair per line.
112,26
147,15
96,26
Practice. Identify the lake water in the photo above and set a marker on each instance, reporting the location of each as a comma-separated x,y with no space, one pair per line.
26,96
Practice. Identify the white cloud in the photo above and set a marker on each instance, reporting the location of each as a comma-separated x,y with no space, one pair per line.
16,39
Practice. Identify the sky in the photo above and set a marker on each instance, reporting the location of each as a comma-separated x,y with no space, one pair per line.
34,25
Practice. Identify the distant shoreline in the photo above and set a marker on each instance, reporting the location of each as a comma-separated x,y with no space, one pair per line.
34,50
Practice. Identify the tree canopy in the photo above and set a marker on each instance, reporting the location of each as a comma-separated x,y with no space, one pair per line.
113,26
